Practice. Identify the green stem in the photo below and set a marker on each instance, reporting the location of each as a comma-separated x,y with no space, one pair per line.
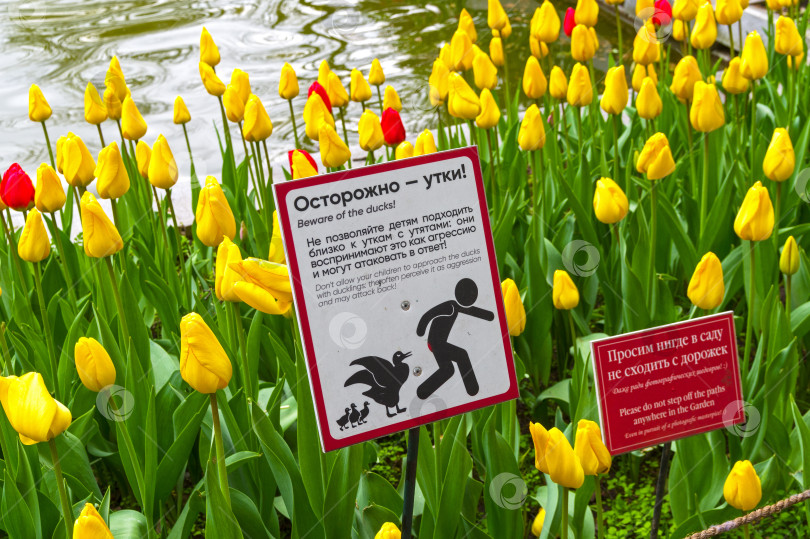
7,367
599,518
777,212
565,132
229,144
267,202
295,129
247,156
787,295
579,133
101,136
9,232
161,217
564,524
750,322
48,143
689,152
117,293
240,331
494,202
46,326
67,509
653,232
616,149
220,451
188,145
704,193
345,133
183,277
753,124
379,98
64,265
746,533
116,220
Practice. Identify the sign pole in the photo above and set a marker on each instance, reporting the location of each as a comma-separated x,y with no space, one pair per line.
410,482
663,472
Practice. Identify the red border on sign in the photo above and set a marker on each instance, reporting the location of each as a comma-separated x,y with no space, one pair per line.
281,190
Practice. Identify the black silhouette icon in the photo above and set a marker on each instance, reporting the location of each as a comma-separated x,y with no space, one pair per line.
441,319
354,415
343,421
384,378
363,413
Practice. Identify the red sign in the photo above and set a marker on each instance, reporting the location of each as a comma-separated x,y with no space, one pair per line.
669,382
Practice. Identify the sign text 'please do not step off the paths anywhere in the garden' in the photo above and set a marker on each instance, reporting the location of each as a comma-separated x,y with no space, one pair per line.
397,294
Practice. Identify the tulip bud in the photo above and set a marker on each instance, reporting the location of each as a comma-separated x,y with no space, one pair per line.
32,412
490,113
302,165
532,134
38,108
227,254
264,285
662,14
742,488
558,84
446,57
181,113
728,12
16,190
646,49
288,84
656,158
461,51
754,221
315,114
257,126
101,238
686,74
334,152
538,48
90,525
789,259
582,44
537,523
540,442
393,130
707,113
462,102
780,159
679,30
213,216
565,295
391,99
788,40
388,530
466,23
648,102
534,81
548,23
162,171
706,287
369,131
495,51
513,305
323,73
403,151
568,22
114,80
113,180
143,153
590,450
112,104
425,143
685,10
733,81
204,365
78,164
580,91
586,12
336,92
94,110
93,363
615,96
34,244
213,84
754,58
234,106
485,72
375,73
133,125
704,34
563,464
49,195
609,202
496,16
438,83
209,53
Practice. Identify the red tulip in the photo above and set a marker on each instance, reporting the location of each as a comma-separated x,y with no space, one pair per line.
663,13
16,189
393,130
569,22
305,154
321,91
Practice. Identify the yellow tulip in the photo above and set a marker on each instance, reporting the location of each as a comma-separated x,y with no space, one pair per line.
646,49
113,180
788,40
425,143
733,81
789,259
609,201
614,99
706,287
241,82
645,8
490,113
78,164
264,285
204,365
334,152
162,171
728,12
133,125
209,53
32,412
590,450
316,114
563,464
532,134
513,305
49,195
484,72
648,102
181,114
540,442
257,126
534,81
213,216
461,51
114,80
234,106
336,92
388,530
38,108
558,84
656,158
375,73
301,167
704,34
101,238
445,55
742,488
276,243
774,5
227,253
370,135
90,525
707,113
679,30
754,221
580,91
586,12
438,83
537,523
548,23
496,51
466,23
391,99
686,74
496,16
754,58
94,110
213,84
323,73
780,159
288,84
112,104
143,154
403,150
93,363
565,295
360,91
462,102
34,244
685,10
582,44
539,48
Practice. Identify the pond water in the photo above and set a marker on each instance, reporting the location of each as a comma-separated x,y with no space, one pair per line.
61,45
